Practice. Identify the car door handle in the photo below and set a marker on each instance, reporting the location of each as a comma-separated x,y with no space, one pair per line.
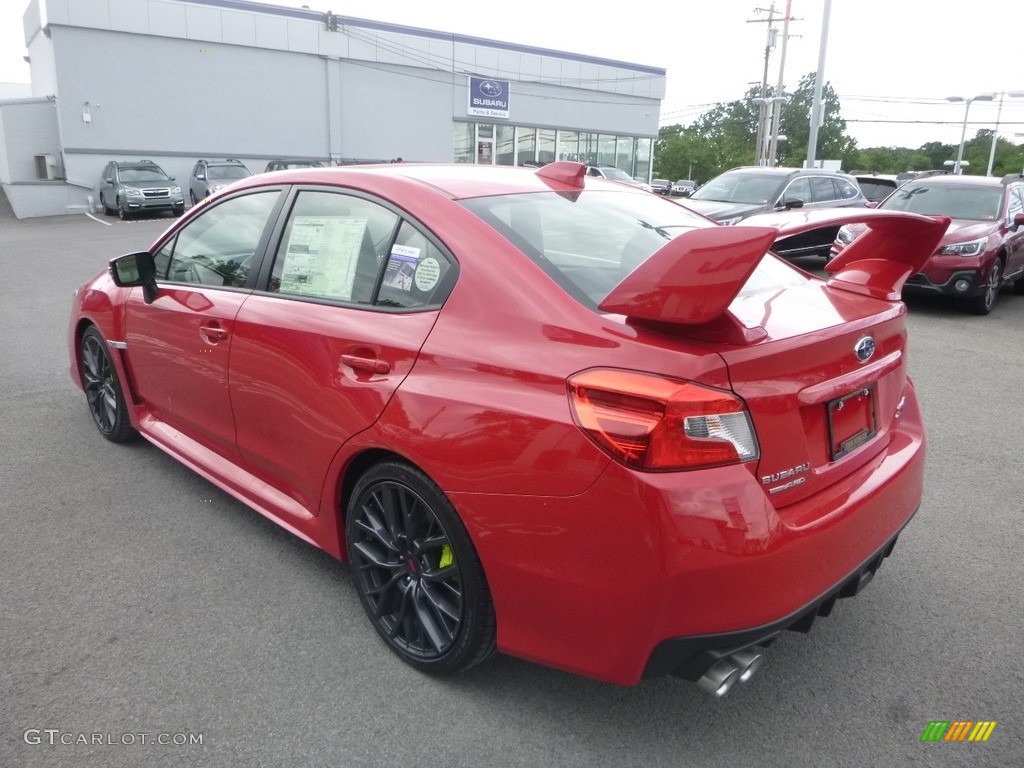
370,364
214,332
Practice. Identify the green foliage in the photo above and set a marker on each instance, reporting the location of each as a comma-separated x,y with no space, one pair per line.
724,137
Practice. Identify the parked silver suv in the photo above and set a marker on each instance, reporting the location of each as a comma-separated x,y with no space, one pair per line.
210,176
136,186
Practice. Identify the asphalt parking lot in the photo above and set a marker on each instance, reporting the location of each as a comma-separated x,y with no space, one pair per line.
137,599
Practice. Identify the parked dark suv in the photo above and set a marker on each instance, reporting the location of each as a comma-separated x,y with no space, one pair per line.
983,248
209,176
734,195
136,186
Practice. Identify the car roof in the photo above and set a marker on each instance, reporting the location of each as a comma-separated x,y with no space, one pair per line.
455,181
962,181
784,171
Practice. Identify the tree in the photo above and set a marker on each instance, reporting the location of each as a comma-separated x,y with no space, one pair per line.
795,124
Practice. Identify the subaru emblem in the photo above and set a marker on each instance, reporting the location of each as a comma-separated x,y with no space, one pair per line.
490,88
864,349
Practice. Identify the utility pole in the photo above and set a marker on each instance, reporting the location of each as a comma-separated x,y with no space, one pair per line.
819,81
760,142
777,108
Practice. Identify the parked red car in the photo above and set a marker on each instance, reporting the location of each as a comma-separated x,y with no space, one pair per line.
534,410
983,249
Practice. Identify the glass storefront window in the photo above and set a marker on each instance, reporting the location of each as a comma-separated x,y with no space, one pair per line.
624,154
526,145
643,159
504,151
568,145
464,142
489,144
545,145
605,150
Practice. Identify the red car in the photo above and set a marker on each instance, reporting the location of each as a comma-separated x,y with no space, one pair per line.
983,249
535,411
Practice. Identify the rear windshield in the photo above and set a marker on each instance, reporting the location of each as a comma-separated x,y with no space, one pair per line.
957,202
588,242
876,189
227,172
749,188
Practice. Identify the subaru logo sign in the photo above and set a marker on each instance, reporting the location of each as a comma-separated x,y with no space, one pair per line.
864,349
490,88
488,97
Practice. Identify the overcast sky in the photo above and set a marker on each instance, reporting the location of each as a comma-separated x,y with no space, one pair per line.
892,62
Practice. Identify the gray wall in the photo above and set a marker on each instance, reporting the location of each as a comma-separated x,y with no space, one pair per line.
28,127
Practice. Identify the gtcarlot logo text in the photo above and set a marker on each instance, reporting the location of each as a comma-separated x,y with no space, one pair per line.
55,736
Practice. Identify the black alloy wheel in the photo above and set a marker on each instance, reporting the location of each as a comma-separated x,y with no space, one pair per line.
983,304
103,391
416,571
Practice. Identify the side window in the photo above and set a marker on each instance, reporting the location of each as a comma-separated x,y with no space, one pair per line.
218,247
332,247
799,189
110,174
162,258
822,190
847,190
197,170
1016,203
417,274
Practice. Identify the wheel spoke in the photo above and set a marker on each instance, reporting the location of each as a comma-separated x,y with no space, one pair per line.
429,621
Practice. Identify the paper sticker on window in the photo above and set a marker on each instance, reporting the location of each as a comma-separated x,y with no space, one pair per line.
401,267
321,256
428,272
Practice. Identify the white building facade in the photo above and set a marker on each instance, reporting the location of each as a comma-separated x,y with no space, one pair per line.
174,81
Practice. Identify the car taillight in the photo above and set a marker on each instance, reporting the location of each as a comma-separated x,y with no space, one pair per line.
655,423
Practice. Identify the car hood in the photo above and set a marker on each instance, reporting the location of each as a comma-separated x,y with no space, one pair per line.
719,210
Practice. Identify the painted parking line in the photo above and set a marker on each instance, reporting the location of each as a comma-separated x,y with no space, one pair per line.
101,221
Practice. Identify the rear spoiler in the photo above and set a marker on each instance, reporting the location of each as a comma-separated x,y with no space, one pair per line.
693,278
877,263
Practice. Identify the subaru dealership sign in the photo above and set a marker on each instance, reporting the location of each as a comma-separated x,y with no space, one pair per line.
488,98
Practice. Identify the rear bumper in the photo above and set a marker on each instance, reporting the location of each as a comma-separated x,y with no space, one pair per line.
650,573
691,657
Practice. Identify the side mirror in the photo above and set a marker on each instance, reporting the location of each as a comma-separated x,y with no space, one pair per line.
1018,220
172,178
791,204
134,269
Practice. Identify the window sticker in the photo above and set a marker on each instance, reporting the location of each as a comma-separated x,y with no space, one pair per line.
321,256
428,272
401,267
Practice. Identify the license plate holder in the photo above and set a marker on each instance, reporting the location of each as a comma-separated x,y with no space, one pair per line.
852,421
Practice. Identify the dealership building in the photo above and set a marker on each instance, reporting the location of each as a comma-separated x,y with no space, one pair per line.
174,81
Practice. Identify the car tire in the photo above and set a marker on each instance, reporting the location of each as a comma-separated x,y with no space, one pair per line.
122,212
1018,286
982,305
103,392
107,210
416,571
179,211
192,197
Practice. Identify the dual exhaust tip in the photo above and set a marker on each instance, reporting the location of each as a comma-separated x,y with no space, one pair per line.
737,668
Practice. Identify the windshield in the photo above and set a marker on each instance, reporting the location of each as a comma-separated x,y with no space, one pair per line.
227,172
876,189
749,188
589,242
142,174
616,174
957,202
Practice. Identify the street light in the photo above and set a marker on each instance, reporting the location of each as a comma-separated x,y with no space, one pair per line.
995,133
963,133
764,105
